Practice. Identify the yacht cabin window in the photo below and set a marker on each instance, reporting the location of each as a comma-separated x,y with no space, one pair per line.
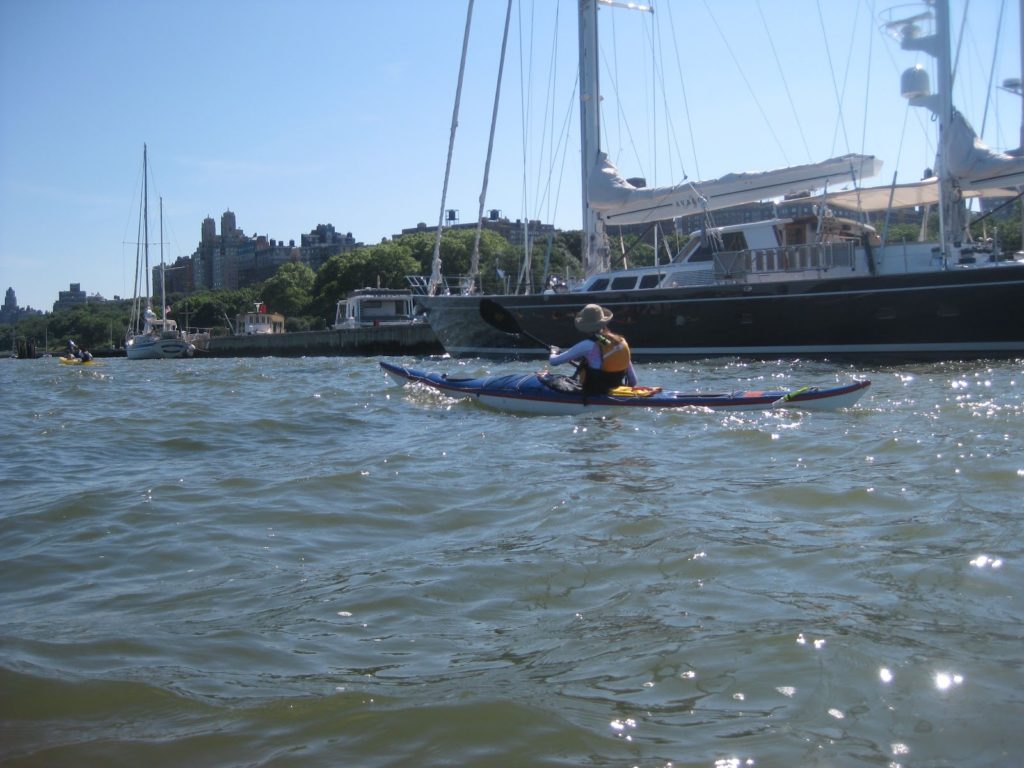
734,241
624,283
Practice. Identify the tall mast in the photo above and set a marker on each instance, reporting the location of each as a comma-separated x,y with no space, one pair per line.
1020,24
951,218
951,208
595,242
145,216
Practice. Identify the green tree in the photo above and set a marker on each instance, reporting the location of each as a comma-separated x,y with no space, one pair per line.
456,250
497,257
903,233
384,266
213,309
93,325
290,290
1005,228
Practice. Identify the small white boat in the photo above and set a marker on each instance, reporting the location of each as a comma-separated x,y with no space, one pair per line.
372,307
259,322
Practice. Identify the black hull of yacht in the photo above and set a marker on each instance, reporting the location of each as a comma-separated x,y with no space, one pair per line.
968,313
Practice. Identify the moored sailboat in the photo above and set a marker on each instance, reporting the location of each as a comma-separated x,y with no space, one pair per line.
826,285
151,337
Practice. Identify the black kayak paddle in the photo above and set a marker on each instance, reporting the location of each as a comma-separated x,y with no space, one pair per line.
497,316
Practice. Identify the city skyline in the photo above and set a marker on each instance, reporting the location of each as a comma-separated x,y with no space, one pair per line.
315,247
316,111
310,240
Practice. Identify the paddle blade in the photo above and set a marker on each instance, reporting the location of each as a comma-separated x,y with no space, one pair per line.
496,315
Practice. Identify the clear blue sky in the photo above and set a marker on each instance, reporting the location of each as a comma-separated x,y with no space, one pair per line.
303,112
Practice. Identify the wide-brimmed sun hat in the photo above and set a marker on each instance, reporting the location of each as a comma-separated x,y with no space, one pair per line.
592,318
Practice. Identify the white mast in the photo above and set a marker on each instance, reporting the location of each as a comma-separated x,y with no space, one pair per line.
145,218
595,243
915,88
1020,83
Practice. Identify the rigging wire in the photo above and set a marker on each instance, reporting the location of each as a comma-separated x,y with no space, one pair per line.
137,299
750,89
525,88
653,123
992,70
625,126
547,148
686,103
959,45
785,81
675,156
559,149
867,85
474,261
892,188
671,140
435,270
840,122
867,102
563,145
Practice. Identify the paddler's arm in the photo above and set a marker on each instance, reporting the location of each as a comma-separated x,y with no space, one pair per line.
575,352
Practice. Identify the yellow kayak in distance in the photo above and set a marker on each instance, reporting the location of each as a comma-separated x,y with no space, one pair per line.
78,361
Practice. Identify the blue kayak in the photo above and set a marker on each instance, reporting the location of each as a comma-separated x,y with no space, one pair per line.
546,393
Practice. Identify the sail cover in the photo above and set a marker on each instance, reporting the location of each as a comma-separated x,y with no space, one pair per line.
619,202
977,170
975,165
924,192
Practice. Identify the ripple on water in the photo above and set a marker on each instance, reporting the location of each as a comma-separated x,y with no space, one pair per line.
291,561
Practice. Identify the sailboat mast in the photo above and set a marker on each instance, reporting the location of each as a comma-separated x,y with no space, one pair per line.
951,208
951,219
1020,24
145,215
595,242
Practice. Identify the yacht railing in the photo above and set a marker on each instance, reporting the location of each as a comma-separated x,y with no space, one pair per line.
450,286
785,259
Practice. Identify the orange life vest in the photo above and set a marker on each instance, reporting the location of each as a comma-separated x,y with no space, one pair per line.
615,360
614,352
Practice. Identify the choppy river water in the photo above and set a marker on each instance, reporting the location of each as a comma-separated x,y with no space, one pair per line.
296,562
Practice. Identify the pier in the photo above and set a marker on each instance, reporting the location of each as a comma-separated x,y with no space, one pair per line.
411,339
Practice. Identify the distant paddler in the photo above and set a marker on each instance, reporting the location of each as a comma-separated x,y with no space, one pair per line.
77,353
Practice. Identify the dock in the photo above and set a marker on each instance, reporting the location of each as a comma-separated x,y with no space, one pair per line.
405,339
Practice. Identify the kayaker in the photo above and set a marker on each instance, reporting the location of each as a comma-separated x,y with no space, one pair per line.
75,352
604,356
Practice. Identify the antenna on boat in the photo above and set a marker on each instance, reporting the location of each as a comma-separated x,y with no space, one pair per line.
916,89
